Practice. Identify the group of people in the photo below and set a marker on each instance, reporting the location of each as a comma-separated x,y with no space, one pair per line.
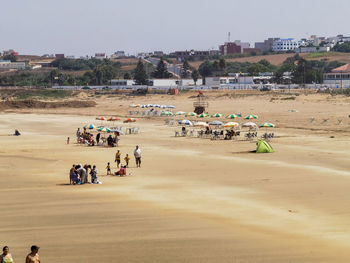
78,174
88,138
32,257
122,168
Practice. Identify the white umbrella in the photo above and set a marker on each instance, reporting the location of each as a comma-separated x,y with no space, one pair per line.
201,124
250,125
186,122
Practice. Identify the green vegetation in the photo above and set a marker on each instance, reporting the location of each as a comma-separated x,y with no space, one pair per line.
321,54
140,74
44,94
161,71
344,47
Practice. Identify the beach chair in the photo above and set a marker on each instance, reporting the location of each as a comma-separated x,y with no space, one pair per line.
340,121
312,120
325,121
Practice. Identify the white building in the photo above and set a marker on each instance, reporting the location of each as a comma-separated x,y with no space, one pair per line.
243,45
338,77
286,44
118,54
217,81
100,56
7,64
122,82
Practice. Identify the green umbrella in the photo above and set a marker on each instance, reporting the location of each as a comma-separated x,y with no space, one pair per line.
104,129
167,113
232,116
191,114
216,115
203,115
267,125
250,117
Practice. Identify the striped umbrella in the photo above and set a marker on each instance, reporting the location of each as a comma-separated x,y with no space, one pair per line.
130,120
180,113
249,125
250,117
167,113
163,106
231,124
143,106
186,122
232,116
100,118
90,126
216,115
267,125
104,129
203,115
156,105
191,114
113,119
149,105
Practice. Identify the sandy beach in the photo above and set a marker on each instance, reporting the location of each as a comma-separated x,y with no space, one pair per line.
193,200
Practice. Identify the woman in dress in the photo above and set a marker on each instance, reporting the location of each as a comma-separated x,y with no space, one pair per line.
6,257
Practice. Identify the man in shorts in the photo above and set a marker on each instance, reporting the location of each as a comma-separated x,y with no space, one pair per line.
137,154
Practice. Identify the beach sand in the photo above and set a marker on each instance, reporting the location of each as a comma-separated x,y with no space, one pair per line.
193,200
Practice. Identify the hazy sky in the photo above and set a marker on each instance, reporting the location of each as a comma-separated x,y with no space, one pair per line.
80,27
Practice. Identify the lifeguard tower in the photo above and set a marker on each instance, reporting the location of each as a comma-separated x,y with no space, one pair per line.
200,104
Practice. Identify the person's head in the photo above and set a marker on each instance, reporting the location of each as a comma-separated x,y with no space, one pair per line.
5,250
137,147
34,249
108,163
78,129
118,151
94,166
127,155
73,166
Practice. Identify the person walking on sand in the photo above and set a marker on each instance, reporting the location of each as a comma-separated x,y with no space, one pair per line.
6,257
117,158
127,159
68,140
137,154
33,256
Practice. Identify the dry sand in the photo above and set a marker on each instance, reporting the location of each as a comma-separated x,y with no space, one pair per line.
193,200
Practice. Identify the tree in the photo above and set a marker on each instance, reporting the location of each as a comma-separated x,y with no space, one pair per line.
195,76
140,74
10,57
344,47
206,70
161,71
127,75
256,68
185,68
222,64
216,65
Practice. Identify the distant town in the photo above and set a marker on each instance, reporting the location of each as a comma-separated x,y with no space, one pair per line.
308,62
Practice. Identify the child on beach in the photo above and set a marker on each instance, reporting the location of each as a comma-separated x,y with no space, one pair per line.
108,169
67,140
117,158
127,159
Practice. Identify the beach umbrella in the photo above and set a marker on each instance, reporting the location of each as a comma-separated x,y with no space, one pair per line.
232,116
149,105
267,125
191,114
90,126
104,129
180,113
143,106
170,107
130,120
216,123
250,125
250,117
231,125
186,122
133,105
201,124
156,105
203,115
100,118
216,115
167,113
163,106
113,119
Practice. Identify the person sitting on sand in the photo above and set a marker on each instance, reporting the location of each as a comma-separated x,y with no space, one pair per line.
73,176
122,171
6,257
17,133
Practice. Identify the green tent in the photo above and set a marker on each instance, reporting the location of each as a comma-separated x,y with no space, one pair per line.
264,147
